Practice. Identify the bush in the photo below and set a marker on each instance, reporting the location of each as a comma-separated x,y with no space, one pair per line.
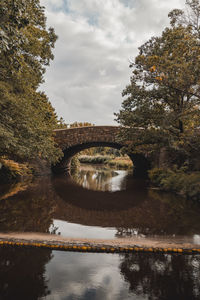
12,171
100,159
75,164
178,181
120,163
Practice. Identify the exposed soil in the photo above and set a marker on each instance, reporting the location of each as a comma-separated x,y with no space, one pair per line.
126,242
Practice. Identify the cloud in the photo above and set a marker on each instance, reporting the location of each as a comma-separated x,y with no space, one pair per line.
96,40
81,276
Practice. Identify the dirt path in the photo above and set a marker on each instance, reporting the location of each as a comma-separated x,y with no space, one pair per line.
96,245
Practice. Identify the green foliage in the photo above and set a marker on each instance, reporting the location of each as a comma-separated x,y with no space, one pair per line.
178,181
25,43
101,151
162,105
61,124
80,124
118,162
75,163
99,159
26,125
27,118
121,163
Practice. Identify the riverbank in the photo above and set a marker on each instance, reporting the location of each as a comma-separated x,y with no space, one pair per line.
95,245
12,171
178,181
121,162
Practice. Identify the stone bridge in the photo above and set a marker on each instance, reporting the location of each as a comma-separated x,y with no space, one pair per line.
74,140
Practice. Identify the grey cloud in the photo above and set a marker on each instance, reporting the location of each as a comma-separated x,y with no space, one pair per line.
80,275
96,40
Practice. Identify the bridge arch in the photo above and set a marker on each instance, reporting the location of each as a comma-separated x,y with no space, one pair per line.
74,140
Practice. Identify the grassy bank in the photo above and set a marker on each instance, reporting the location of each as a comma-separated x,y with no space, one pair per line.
178,181
118,162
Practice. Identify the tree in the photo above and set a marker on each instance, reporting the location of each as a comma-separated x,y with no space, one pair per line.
162,107
80,124
27,118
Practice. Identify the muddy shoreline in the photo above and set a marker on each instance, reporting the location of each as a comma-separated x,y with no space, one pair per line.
95,245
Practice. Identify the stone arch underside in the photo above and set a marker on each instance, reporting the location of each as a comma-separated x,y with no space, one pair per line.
74,140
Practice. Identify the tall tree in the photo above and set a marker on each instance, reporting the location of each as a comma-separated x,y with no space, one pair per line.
162,105
27,118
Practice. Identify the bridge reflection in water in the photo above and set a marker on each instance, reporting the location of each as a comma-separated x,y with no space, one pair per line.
59,204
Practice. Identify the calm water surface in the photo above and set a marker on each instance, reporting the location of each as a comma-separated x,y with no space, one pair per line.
54,275
97,203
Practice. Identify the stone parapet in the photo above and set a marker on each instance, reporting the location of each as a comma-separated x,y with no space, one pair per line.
67,138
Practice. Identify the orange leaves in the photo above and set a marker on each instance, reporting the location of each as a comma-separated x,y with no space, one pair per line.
153,68
159,78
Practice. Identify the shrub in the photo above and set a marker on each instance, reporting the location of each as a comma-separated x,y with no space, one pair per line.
13,171
100,159
178,181
75,164
123,163
118,162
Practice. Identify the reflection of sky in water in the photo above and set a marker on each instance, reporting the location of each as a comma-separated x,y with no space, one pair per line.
117,182
87,276
73,230
67,229
196,239
101,178
90,276
132,211
57,275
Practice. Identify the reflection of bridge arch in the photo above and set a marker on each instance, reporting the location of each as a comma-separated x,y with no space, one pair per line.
138,207
74,140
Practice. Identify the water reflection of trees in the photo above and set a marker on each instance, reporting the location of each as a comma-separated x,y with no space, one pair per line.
136,210
162,276
22,273
29,210
150,276
97,180
7,191
161,214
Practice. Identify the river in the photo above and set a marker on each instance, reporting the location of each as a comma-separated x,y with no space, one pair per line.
97,203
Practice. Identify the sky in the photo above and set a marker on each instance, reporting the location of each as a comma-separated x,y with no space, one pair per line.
97,39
